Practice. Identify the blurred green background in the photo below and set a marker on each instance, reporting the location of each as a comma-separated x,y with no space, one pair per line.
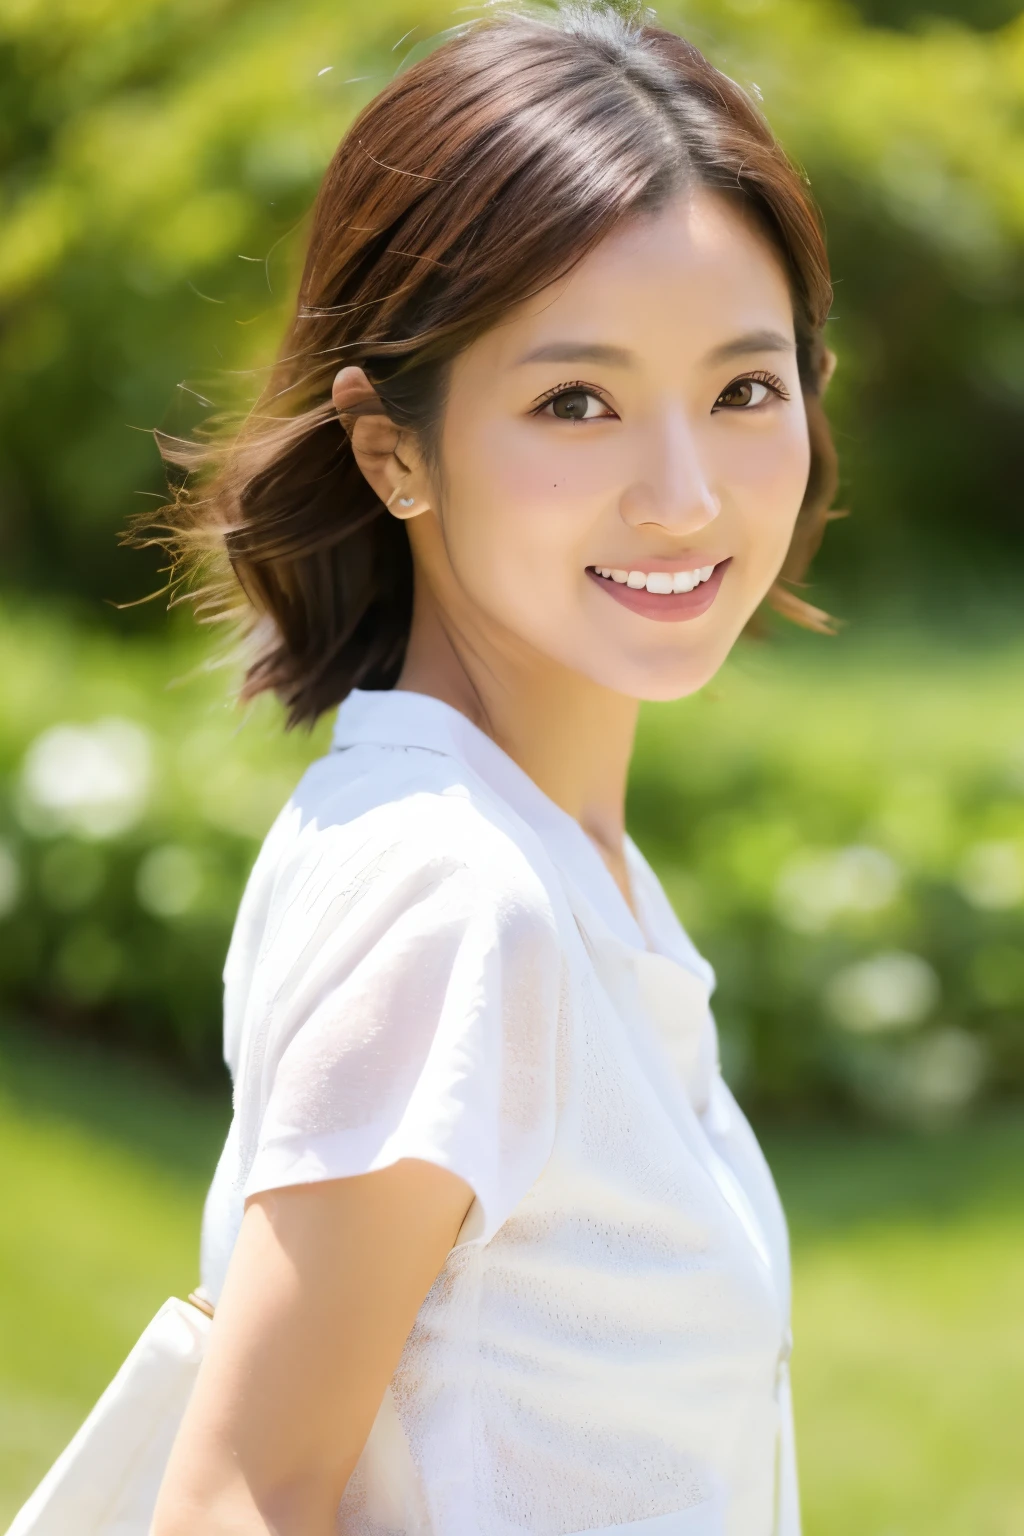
840,822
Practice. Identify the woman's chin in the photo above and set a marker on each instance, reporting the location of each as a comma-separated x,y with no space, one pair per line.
658,684
663,690
659,677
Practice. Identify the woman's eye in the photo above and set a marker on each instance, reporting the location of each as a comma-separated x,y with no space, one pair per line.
574,405
746,394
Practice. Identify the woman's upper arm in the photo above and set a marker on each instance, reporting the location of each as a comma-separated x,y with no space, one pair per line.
323,1288
401,1018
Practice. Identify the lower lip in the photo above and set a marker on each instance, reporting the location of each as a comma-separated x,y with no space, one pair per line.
669,607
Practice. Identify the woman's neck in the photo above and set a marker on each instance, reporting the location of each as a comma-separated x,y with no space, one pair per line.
573,738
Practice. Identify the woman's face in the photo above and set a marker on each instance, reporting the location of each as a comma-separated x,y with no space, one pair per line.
622,460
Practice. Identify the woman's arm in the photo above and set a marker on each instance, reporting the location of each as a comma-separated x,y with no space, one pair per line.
323,1288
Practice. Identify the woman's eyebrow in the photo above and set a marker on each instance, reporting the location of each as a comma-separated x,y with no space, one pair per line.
621,357
753,341
579,352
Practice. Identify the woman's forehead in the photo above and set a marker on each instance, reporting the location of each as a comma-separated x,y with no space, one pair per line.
694,278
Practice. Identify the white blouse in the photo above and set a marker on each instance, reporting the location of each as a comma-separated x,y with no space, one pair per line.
431,960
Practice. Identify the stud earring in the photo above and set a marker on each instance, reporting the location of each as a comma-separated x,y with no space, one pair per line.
403,501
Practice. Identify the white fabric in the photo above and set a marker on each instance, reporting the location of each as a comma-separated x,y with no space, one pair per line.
106,1482
431,960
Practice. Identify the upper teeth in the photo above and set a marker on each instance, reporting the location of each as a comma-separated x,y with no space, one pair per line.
658,581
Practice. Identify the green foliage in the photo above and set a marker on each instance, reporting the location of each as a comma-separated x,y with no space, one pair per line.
841,827
913,15
908,1267
159,158
126,833
156,161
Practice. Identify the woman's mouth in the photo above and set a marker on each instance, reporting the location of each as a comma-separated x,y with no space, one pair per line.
666,595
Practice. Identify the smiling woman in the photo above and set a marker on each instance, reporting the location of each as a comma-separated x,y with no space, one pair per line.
491,1247
679,451
469,190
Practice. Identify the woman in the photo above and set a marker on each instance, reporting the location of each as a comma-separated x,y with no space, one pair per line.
491,1247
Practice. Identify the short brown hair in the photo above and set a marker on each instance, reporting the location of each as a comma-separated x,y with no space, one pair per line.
474,179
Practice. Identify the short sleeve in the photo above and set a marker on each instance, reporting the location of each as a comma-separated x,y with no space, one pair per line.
405,1005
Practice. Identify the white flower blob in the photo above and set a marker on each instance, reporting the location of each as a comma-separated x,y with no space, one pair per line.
891,990
168,880
944,1070
815,888
92,780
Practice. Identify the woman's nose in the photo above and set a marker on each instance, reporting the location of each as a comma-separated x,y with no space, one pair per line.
672,489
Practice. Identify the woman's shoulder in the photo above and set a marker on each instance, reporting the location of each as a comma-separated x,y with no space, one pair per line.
383,828
384,865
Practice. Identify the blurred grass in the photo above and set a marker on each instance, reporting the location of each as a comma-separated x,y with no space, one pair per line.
909,1267
908,1277
105,1169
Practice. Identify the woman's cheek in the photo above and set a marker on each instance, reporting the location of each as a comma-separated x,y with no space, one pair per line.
548,466
538,497
508,535
768,484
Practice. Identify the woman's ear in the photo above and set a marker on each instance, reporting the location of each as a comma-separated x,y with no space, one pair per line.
387,456
828,368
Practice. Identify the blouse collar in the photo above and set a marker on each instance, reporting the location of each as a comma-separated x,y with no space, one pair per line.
398,718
